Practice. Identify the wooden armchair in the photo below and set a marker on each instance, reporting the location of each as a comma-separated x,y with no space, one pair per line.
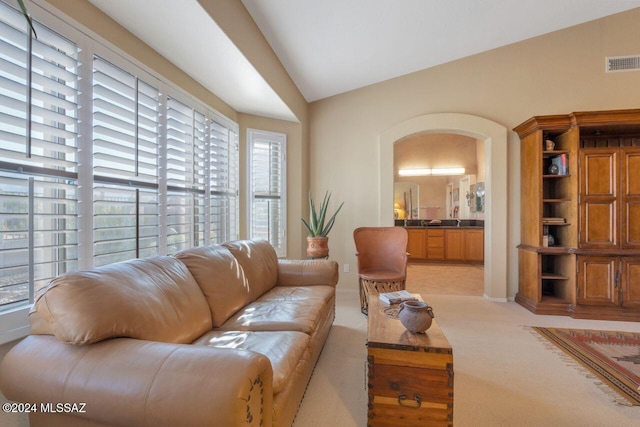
382,260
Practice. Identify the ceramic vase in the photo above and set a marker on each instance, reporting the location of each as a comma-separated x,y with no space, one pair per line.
416,316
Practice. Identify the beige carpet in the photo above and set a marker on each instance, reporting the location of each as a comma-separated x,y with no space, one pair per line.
505,374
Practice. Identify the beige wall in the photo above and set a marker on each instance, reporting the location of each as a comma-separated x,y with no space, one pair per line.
552,74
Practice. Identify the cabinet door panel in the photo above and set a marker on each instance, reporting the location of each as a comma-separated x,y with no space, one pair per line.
454,244
416,243
630,198
474,245
599,224
631,282
598,172
598,198
597,283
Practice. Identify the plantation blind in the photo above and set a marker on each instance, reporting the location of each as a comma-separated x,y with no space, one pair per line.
38,157
267,204
224,178
125,165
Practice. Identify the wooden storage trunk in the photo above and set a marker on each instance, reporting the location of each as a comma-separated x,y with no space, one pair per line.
410,376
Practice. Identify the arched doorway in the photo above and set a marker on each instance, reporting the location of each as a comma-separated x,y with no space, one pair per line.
495,137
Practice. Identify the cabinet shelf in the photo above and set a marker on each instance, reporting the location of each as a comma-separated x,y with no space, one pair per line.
550,299
555,200
554,276
547,176
554,153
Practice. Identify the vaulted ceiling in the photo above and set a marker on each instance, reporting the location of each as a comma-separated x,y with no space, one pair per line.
333,46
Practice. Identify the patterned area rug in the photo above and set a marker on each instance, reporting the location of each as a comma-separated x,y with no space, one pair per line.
612,356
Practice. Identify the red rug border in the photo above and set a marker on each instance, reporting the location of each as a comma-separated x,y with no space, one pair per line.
593,360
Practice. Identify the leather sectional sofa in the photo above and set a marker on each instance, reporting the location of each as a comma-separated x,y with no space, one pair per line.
224,335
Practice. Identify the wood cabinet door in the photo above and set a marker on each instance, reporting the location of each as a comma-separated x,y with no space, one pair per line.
598,281
416,243
474,245
599,198
630,197
454,244
630,282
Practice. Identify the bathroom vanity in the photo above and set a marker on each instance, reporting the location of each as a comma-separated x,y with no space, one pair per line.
448,240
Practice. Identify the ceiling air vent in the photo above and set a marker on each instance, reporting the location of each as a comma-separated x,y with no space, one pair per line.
622,63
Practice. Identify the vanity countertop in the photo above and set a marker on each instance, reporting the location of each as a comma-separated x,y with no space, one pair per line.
466,227
443,223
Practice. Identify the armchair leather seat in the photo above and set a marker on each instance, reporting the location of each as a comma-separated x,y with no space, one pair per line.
382,260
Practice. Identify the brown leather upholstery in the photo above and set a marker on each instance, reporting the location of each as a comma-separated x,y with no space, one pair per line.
382,256
153,299
259,262
222,280
284,349
252,370
128,382
306,272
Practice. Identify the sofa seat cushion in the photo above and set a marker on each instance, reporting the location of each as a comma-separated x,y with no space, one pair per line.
302,316
155,299
285,349
220,277
297,293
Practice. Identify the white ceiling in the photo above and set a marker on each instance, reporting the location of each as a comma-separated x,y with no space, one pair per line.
196,44
334,46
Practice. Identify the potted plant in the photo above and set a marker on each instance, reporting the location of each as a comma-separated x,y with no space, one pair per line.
319,227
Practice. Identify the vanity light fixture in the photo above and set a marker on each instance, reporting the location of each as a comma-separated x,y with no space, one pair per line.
447,171
414,172
434,171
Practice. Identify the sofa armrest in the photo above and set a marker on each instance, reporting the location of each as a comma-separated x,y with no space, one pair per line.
307,272
126,381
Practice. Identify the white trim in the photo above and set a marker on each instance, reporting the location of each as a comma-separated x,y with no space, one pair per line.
496,221
15,324
282,139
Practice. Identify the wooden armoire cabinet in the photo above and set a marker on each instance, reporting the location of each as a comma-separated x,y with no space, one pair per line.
580,215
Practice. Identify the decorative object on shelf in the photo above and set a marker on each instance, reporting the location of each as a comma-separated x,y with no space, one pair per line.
318,227
560,163
551,240
549,145
416,316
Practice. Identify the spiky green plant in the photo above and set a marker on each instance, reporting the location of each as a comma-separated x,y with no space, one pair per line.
27,17
316,225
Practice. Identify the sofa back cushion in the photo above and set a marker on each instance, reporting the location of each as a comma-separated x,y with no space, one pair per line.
259,262
154,299
220,277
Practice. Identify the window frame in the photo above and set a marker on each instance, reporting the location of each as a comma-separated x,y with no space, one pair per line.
253,136
14,317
